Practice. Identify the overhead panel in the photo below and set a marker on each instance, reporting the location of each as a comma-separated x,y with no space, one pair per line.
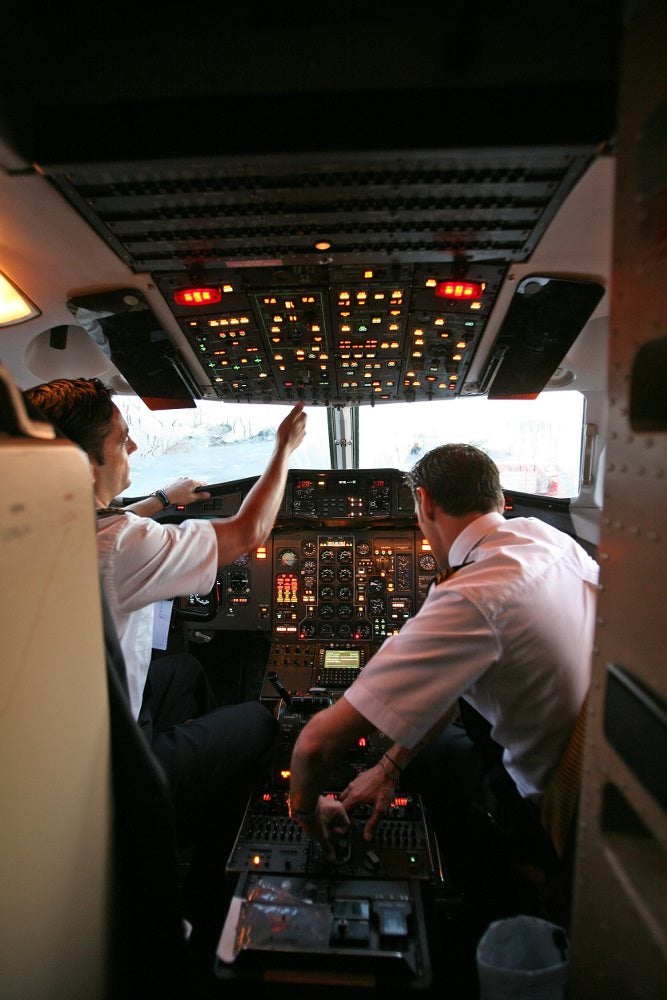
342,334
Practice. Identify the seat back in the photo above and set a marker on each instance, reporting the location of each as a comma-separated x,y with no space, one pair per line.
55,774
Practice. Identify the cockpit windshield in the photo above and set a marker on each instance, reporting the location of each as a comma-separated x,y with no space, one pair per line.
537,444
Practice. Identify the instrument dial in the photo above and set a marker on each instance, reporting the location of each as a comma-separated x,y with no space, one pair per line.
288,558
362,630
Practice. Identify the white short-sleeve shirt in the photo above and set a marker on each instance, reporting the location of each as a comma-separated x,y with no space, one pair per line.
511,631
143,561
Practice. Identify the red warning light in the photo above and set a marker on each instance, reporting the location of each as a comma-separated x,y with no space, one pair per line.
458,290
203,296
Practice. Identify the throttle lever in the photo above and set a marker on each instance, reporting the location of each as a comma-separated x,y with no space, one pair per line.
272,678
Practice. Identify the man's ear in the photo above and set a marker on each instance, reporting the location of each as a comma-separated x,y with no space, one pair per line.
94,466
426,503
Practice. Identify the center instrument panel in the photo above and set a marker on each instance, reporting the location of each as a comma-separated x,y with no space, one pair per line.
345,567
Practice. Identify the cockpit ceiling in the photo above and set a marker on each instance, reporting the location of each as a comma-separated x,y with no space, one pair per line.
394,207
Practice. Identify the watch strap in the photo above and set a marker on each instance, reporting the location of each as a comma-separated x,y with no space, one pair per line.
162,497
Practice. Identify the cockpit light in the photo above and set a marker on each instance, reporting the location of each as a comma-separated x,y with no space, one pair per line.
459,290
204,295
15,306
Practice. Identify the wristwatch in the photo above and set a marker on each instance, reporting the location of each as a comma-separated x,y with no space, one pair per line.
162,497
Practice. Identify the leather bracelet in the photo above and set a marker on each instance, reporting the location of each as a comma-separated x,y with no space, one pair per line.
162,497
392,761
391,776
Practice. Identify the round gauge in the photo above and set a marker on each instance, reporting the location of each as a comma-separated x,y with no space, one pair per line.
376,606
238,583
345,593
327,555
307,630
326,593
327,574
309,548
343,631
309,566
345,556
326,631
376,585
345,611
427,563
345,574
242,560
362,630
363,549
288,558
327,610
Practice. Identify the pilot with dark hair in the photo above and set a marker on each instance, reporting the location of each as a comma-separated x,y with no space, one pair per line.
501,646
212,756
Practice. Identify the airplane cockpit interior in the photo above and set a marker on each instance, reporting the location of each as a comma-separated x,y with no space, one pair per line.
409,222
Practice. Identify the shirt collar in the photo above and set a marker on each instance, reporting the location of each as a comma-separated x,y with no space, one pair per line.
471,536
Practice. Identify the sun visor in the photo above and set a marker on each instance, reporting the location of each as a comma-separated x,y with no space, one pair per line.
544,319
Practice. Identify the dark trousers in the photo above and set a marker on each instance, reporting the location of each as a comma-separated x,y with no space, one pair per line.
213,757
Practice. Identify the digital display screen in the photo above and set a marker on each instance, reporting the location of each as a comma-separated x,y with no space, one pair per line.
342,659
